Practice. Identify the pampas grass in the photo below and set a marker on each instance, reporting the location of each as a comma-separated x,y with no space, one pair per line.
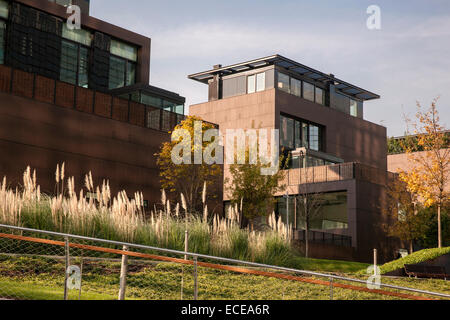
94,212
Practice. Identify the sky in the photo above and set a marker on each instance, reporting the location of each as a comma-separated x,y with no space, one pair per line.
405,62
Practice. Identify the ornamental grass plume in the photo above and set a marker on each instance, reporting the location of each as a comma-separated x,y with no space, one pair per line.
93,211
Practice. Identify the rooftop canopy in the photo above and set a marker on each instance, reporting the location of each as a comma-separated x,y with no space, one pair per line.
278,60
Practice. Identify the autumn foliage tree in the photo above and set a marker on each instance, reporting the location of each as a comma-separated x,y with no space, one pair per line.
408,223
188,178
429,175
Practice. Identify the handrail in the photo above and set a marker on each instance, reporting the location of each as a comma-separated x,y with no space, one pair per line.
234,261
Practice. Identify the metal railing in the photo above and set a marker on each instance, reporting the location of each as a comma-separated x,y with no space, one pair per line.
82,246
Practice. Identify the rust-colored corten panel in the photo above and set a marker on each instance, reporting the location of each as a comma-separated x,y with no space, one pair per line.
84,100
137,114
44,89
23,83
65,95
5,78
144,43
102,106
42,135
120,109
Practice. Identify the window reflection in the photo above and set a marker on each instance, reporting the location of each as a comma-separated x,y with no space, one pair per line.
283,82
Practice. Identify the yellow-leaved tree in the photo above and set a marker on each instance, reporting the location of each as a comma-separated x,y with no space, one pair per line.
429,174
189,178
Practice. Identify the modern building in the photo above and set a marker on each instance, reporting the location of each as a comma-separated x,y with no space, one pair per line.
341,157
81,97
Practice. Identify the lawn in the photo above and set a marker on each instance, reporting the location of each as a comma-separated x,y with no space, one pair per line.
37,278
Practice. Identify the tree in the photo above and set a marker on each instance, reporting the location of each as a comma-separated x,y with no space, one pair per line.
408,223
188,178
309,203
430,173
253,191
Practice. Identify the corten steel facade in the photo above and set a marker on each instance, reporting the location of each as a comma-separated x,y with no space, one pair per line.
347,157
46,120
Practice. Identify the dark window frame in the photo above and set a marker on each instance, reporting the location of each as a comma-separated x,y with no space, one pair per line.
79,46
127,61
322,130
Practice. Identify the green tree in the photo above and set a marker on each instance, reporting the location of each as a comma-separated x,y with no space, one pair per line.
407,223
252,190
189,178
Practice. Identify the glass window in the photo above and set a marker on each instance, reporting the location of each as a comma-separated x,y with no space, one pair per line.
283,82
69,62
2,42
4,9
296,87
83,74
319,96
261,82
74,64
151,101
123,50
308,91
287,132
314,142
251,84
179,109
80,36
305,132
131,73
117,69
298,135
168,106
353,108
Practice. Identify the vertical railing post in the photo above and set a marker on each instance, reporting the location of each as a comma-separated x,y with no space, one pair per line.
186,243
67,262
123,274
331,288
195,279
375,262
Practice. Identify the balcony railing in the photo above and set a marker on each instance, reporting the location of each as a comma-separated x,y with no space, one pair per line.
42,89
337,172
324,238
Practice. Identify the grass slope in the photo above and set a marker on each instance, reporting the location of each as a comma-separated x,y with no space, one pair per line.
37,278
416,257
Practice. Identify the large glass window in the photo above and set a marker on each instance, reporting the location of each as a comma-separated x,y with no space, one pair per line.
296,87
353,108
287,132
77,35
2,42
319,96
124,50
298,134
331,211
260,82
256,82
314,139
74,64
308,91
117,69
122,69
4,9
283,82
251,84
